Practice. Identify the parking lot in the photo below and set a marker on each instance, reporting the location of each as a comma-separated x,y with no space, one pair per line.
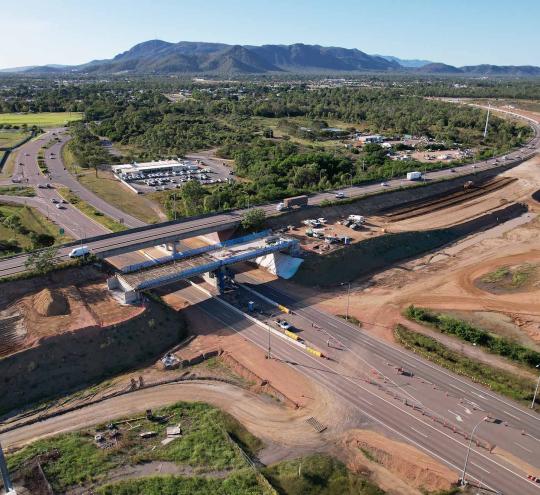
160,176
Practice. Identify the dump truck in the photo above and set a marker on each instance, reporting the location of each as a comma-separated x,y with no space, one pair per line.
291,202
296,201
414,175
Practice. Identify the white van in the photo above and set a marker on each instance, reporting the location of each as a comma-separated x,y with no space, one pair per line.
79,251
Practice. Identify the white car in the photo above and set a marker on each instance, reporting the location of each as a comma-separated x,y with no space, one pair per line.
384,184
340,195
284,324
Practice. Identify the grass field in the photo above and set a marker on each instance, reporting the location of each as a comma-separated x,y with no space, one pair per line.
318,475
9,137
242,482
27,192
90,211
9,166
204,446
44,119
15,235
496,379
113,192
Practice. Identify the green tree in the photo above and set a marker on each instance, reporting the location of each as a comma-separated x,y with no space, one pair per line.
42,261
253,219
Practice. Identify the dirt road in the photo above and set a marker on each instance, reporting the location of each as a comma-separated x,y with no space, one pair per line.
274,424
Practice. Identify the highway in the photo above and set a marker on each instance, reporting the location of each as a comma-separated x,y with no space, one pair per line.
374,405
144,237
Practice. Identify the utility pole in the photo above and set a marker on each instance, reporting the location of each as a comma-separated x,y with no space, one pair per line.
8,486
535,390
487,120
269,356
348,299
463,482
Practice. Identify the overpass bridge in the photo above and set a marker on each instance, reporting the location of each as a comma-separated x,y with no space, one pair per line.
209,261
127,241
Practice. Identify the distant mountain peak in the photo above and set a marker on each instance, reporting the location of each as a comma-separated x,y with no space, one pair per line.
199,57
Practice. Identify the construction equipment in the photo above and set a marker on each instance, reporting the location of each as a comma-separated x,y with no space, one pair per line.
295,201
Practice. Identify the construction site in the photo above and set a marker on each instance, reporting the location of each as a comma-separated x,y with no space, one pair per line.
283,355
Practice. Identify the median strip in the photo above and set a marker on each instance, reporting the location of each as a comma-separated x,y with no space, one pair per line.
91,212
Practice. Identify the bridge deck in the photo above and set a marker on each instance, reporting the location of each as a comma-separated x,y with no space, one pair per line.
203,263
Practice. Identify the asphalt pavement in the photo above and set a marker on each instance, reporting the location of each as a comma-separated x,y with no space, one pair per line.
377,405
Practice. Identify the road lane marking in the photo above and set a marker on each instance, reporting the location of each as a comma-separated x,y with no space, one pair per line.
419,432
458,417
524,448
510,414
480,467
467,410
478,395
373,418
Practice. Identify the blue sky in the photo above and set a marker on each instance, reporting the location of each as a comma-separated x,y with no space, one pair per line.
458,32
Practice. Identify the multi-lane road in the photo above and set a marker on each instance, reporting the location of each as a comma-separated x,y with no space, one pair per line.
439,393
143,237
458,401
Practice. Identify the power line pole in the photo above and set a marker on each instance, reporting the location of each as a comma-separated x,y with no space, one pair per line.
487,121
8,486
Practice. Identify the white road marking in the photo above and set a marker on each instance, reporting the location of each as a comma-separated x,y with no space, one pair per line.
419,432
458,417
524,448
480,467
510,414
478,395
467,410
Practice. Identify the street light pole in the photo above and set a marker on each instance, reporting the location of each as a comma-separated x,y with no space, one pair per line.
462,481
348,299
269,347
536,389
8,486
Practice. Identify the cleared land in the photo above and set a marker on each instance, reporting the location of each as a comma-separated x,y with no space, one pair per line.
44,119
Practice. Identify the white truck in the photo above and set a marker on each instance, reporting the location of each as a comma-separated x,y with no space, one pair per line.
356,219
79,251
414,175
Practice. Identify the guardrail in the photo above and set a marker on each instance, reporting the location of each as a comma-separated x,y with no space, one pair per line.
210,267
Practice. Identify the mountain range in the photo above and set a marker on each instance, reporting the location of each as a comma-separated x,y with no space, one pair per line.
186,57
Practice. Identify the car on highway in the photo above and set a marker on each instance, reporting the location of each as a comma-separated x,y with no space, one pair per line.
60,206
49,185
79,251
54,200
42,186
340,195
384,184
284,324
